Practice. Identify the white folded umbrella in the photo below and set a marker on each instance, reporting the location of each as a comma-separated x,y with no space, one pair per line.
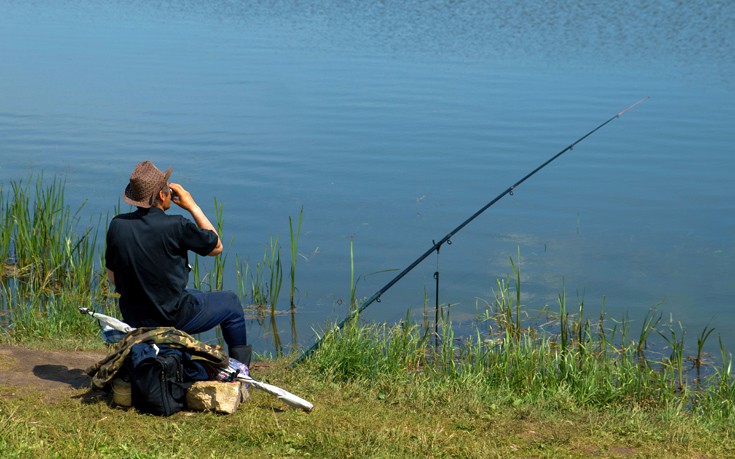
289,398
110,321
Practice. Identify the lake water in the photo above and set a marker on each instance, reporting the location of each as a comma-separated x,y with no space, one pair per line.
392,122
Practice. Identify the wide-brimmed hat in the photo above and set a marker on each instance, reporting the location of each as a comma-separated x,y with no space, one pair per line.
145,182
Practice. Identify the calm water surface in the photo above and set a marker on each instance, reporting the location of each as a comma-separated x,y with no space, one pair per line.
392,122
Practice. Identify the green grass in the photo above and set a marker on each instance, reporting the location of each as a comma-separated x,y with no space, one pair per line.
371,400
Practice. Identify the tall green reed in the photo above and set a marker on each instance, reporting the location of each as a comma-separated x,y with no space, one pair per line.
648,327
258,287
675,362
197,278
213,279
699,358
220,262
715,398
276,273
353,282
294,254
48,265
506,312
241,272
7,227
266,292
45,248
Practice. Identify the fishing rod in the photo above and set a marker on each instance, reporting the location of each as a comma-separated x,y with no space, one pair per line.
448,237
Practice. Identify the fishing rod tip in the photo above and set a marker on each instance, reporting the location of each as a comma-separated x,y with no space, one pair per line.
631,106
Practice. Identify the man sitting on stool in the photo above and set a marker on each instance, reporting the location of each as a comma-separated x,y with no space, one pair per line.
147,262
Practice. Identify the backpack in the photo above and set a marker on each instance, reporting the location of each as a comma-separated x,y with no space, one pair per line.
157,379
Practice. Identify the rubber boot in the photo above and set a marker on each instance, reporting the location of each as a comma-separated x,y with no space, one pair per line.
242,354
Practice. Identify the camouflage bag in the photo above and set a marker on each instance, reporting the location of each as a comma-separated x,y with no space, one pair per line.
104,371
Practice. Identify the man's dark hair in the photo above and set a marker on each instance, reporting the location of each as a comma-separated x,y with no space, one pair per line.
157,197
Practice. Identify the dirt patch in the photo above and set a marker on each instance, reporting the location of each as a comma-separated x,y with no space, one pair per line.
48,371
54,373
622,451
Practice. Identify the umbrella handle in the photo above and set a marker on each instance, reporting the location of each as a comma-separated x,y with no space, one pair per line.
290,399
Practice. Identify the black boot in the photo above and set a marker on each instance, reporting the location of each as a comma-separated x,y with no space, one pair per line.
243,354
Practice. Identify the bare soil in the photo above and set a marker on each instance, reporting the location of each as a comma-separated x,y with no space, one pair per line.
52,372
55,373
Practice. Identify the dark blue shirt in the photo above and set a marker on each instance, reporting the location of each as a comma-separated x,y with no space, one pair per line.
148,252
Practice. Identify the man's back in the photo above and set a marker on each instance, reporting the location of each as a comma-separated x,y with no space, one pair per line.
148,252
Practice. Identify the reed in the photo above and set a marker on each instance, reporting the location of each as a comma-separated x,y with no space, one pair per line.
275,269
506,312
445,359
196,274
258,288
294,254
43,247
201,276
241,273
650,322
353,282
675,361
220,262
715,399
6,226
48,260
699,358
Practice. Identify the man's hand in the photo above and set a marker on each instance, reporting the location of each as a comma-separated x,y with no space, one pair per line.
183,199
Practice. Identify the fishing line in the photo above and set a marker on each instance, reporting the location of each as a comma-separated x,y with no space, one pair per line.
447,239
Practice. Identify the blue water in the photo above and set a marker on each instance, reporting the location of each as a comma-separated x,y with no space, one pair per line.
392,122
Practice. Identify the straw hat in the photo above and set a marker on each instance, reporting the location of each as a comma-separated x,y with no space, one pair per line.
145,182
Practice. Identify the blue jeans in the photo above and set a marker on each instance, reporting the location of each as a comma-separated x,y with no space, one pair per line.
221,308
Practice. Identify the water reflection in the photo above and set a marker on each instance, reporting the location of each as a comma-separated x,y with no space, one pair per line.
693,37
268,323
